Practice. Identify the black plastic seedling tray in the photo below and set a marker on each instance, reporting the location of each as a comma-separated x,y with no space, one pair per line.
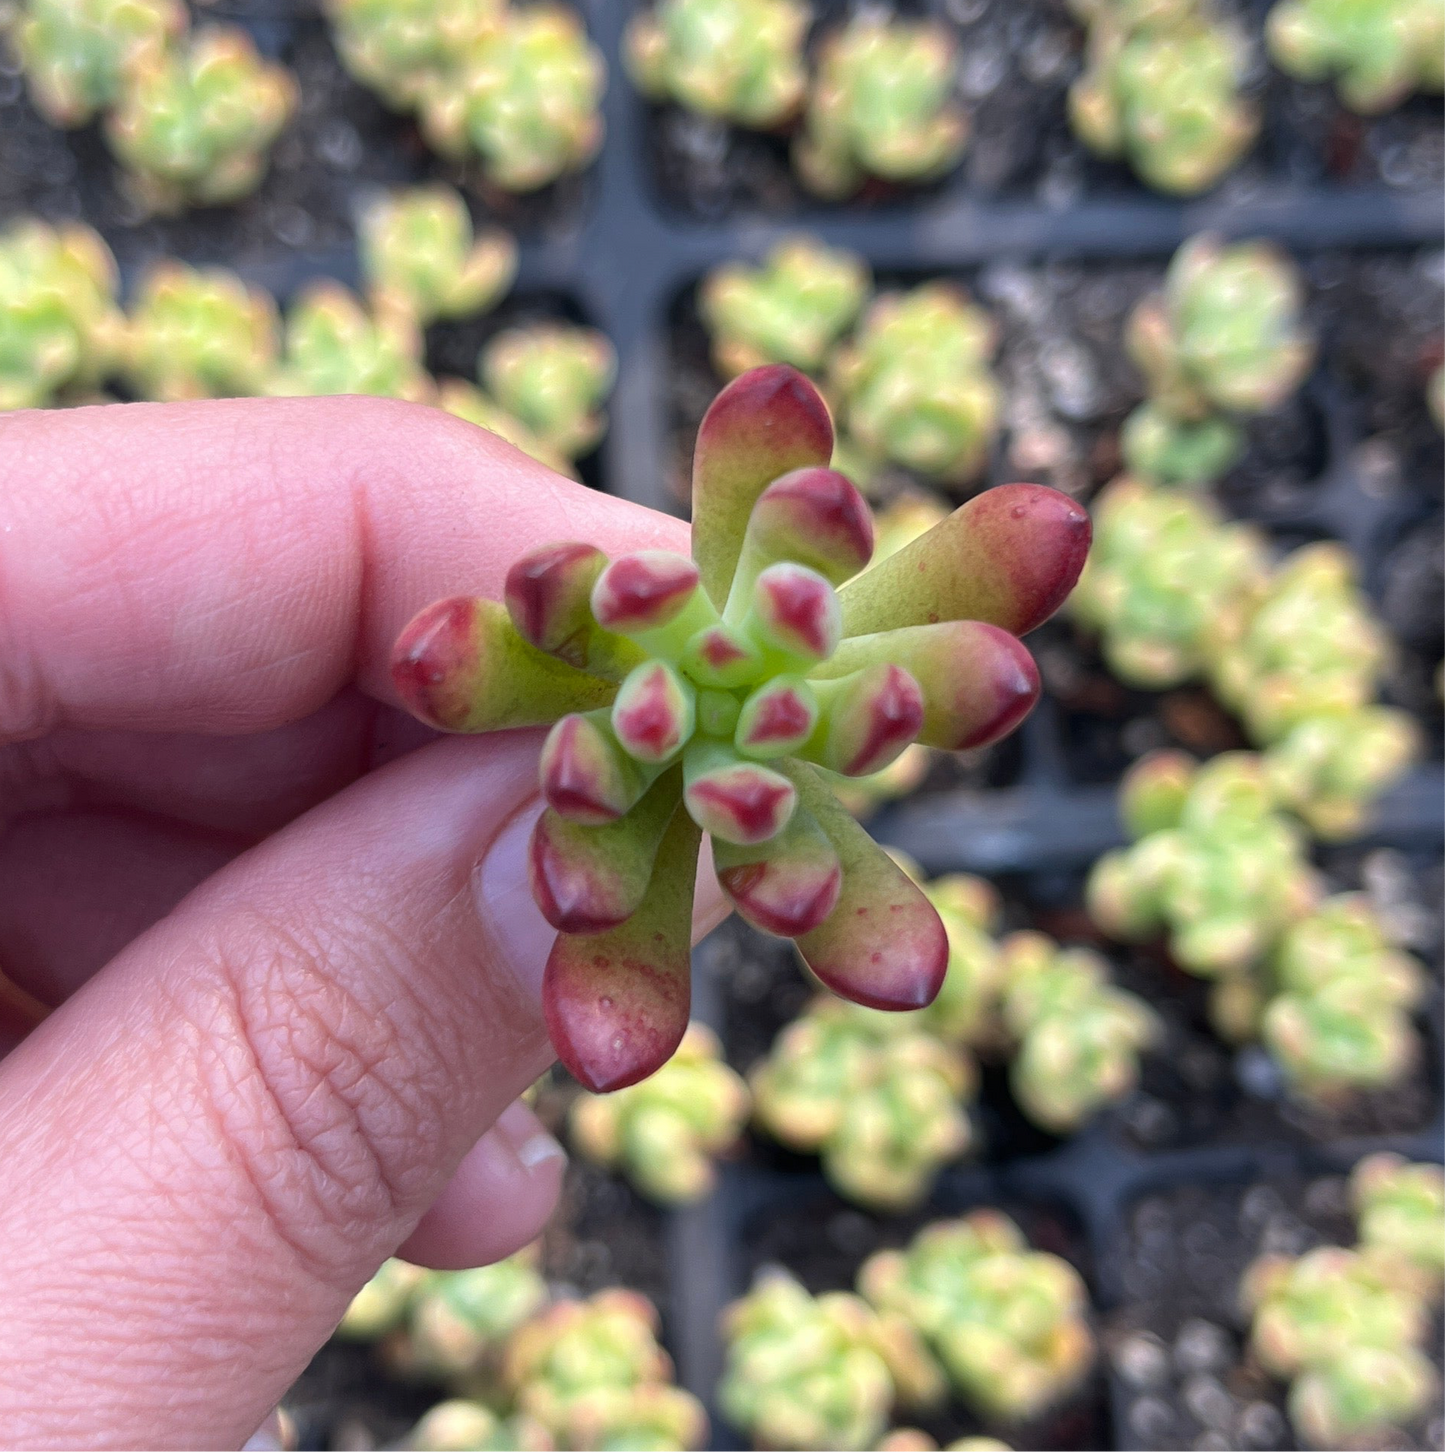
623,249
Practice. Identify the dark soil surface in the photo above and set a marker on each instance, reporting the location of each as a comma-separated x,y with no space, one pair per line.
1182,1377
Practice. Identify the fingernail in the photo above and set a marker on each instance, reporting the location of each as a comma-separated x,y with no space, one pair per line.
522,935
276,1434
531,1143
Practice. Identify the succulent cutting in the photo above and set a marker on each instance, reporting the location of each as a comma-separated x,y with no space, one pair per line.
693,695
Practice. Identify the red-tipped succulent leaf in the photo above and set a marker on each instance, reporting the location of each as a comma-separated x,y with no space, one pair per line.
1010,556
776,719
795,612
616,1003
763,425
883,945
586,776
460,665
548,597
735,801
978,681
644,591
786,886
868,720
653,714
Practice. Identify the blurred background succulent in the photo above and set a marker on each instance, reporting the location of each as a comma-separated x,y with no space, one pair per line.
664,1131
553,377
193,126
1223,339
1006,1323
738,60
77,53
1375,51
523,98
333,344
60,327
880,1101
462,1425
819,1372
1162,91
791,309
913,386
881,105
1400,1210
419,254
199,333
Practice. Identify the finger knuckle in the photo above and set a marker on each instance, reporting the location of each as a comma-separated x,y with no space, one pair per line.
322,1099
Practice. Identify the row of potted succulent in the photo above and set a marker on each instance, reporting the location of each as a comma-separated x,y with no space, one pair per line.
965,1312
204,333
517,88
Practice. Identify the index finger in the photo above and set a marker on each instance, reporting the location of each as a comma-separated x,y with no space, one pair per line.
229,566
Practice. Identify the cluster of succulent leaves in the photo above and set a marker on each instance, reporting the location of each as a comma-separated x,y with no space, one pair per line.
190,117
1347,1327
515,88
692,695
1006,1324
879,105
1225,875
878,1098
1377,52
1293,649
447,1326
881,1097
910,385
1162,91
1222,340
526,1372
664,1131
819,1372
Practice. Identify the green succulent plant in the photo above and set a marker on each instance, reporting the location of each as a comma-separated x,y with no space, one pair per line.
1347,1334
460,1425
447,1326
881,105
1225,878
1161,90
60,327
1223,339
697,694
819,1372
554,378
381,1305
1078,1036
1309,646
1007,1323
792,309
1163,567
879,1100
914,387
1329,768
1400,1208
1339,1020
463,400
418,253
592,1373
199,333
76,53
193,126
523,99
740,60
334,345
664,1131
1377,52
401,48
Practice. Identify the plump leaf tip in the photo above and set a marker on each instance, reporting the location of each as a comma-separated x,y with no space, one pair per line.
702,695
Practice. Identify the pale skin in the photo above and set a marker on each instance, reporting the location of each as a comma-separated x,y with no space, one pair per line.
273,970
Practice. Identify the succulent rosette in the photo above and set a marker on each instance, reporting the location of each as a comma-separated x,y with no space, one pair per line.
700,695
1400,1208
460,1425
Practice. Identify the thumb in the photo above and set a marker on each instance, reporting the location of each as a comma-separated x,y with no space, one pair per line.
211,1146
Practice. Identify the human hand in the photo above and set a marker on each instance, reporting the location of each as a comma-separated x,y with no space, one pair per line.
286,933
